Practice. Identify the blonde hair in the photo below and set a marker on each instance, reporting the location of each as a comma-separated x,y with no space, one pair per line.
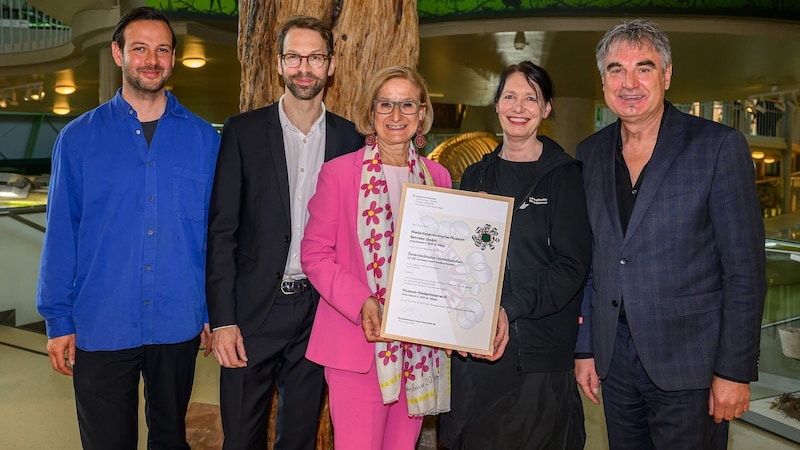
363,112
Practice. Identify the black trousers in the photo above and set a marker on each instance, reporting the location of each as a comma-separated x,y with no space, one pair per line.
107,395
496,407
275,359
640,416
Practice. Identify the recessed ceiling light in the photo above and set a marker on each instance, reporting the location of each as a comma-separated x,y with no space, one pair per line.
194,63
61,110
65,89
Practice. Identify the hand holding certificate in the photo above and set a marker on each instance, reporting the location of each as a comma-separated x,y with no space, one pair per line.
447,268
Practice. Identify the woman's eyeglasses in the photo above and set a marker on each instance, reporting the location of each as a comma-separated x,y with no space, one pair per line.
407,107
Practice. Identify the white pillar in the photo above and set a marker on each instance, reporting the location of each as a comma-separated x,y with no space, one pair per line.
110,77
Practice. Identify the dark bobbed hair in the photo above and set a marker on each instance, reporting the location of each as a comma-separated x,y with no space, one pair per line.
363,111
136,14
306,23
535,75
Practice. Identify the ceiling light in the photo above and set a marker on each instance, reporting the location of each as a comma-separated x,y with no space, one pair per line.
519,40
769,160
31,91
61,110
758,155
3,103
194,63
65,89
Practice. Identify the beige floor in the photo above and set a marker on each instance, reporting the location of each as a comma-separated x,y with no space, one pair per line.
37,410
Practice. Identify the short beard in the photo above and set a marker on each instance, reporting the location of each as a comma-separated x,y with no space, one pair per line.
144,90
304,93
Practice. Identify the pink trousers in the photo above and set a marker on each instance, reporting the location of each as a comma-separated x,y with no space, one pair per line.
360,419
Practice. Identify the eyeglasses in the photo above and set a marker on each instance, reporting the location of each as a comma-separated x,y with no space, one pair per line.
293,60
407,107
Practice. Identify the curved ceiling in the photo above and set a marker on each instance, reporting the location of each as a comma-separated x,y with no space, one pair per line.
714,59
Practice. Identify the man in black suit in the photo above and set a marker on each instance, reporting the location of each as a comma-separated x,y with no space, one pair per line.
260,304
673,312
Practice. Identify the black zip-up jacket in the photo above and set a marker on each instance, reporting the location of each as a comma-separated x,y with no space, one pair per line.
548,257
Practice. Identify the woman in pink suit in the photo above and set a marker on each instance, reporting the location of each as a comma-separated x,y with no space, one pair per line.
346,254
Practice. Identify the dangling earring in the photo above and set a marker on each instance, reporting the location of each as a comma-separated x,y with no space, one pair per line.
370,140
419,140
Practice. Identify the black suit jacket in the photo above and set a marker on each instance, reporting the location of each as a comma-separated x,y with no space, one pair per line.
249,227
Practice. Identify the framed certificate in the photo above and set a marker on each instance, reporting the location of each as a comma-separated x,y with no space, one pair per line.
447,268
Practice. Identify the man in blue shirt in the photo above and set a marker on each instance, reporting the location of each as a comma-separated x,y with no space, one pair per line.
121,283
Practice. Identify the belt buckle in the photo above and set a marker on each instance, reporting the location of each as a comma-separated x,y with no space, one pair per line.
287,287
291,287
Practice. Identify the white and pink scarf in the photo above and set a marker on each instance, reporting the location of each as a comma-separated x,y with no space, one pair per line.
426,370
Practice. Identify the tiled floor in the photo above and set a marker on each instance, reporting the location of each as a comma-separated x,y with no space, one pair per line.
37,410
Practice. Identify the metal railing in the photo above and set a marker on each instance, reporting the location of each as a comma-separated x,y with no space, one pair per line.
17,213
24,28
765,119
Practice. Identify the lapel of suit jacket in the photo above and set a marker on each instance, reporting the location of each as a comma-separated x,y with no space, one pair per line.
608,186
277,152
332,145
668,145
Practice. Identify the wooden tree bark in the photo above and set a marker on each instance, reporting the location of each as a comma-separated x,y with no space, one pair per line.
368,35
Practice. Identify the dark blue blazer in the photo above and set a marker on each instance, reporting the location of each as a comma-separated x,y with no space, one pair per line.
691,266
249,229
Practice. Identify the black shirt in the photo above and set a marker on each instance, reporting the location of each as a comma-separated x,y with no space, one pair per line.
626,193
626,196
149,130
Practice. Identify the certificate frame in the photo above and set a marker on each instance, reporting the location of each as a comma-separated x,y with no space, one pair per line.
447,269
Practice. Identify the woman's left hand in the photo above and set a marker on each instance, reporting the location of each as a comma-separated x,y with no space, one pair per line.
371,320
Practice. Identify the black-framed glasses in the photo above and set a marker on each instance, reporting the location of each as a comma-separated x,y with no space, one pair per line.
407,107
293,60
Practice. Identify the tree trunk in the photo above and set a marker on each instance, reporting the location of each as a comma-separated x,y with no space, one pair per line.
368,35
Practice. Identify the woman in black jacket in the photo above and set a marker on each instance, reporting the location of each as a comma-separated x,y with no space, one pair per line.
528,399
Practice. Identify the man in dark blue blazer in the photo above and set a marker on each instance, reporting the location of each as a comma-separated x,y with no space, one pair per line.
673,309
260,304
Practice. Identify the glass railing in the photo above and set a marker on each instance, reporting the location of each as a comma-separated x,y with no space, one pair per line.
754,117
21,232
776,395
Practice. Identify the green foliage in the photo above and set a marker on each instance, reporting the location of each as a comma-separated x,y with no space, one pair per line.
435,10
193,8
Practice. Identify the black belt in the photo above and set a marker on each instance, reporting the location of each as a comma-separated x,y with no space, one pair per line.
298,286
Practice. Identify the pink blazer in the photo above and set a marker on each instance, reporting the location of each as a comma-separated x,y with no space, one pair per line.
331,258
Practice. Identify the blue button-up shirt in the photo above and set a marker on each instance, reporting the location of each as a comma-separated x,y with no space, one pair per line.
123,260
